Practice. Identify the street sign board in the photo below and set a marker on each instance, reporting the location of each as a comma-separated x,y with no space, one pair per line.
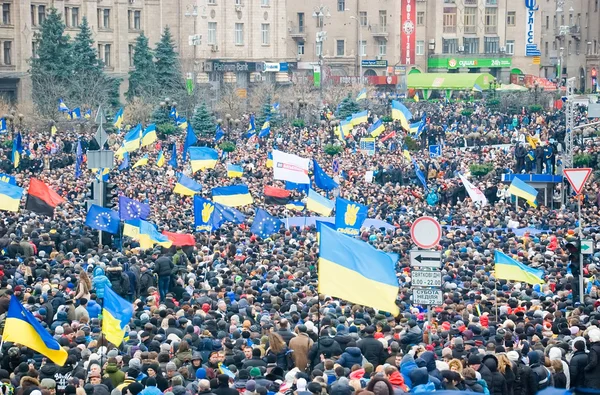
426,296
102,159
426,278
587,247
422,258
435,151
335,166
426,232
577,177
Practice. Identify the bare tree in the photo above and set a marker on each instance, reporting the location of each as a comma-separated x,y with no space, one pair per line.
230,102
138,111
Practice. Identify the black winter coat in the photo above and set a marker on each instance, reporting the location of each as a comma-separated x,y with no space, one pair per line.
592,370
497,385
372,349
326,346
163,266
579,361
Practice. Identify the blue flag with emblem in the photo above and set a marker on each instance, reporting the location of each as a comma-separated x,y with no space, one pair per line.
132,209
265,224
219,133
224,214
349,216
203,213
103,219
292,186
173,161
322,180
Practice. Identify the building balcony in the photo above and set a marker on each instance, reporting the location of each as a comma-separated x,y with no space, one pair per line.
379,31
575,31
298,32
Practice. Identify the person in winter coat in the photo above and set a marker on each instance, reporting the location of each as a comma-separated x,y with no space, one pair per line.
475,362
555,354
407,365
559,379
352,356
119,281
497,385
223,387
93,309
382,386
278,348
592,370
413,336
163,268
540,376
396,379
470,380
300,346
99,281
507,369
112,372
420,381
146,281
372,348
325,346
432,369
577,365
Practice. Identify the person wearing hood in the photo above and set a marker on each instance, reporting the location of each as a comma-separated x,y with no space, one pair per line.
372,348
151,388
429,358
470,381
555,354
540,374
93,308
592,369
223,386
420,381
352,356
341,387
413,336
112,372
497,386
99,281
325,346
342,336
577,364
407,365
396,379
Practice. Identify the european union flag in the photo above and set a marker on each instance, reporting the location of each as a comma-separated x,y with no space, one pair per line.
125,164
224,214
203,214
349,216
265,224
291,186
322,180
132,209
103,219
173,161
219,133
190,139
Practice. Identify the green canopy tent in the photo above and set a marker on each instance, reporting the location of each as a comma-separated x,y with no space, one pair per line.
448,82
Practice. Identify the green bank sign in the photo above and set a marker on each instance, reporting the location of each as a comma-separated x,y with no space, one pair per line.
468,63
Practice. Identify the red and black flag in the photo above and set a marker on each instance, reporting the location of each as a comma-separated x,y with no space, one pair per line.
276,195
41,199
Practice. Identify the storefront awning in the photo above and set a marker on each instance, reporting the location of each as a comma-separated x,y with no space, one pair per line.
449,81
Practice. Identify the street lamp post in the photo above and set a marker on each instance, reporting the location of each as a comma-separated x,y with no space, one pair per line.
320,13
360,53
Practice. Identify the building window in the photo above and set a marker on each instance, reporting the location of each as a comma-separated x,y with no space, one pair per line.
265,33
450,45
491,20
491,44
511,18
420,49
33,10
239,34
471,45
545,48
363,18
363,48
491,2
264,3
319,48
420,18
577,47
7,53
301,22
130,53
212,33
6,14
212,2
105,53
449,20
137,20
104,18
75,16
301,48
340,47
470,20
547,22
554,48
382,47
383,20
510,47
569,48
238,2
67,21
34,49
41,14
341,5
320,21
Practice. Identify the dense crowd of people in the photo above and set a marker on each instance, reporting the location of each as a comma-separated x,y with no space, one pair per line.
242,314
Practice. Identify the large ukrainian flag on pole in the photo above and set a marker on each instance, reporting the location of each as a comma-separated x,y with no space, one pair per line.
203,158
22,327
117,313
401,113
523,190
355,271
507,268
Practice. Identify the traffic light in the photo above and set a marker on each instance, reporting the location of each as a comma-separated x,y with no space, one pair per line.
109,194
574,249
93,194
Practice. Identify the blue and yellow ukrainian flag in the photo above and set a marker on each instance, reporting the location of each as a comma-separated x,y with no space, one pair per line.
3,125
266,129
269,160
416,97
62,107
150,236
116,314
102,174
23,328
232,196
414,127
406,153
203,158
355,271
132,139
360,117
318,204
143,161
118,119
160,160
182,123
377,128
76,113
131,228
362,95
174,114
87,114
521,189
149,135
187,186
234,170
349,216
296,205
401,113
251,127
10,197
507,268
16,154
344,130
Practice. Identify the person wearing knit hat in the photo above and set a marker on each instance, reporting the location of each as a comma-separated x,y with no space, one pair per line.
134,388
